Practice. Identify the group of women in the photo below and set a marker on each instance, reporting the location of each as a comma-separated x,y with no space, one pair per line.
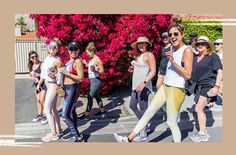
204,70
178,65
72,73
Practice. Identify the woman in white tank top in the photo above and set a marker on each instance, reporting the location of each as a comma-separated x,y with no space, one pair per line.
172,92
95,69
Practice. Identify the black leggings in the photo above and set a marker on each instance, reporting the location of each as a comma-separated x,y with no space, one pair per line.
68,113
95,84
140,98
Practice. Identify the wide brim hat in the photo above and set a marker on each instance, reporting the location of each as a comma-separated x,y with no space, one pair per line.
203,39
141,40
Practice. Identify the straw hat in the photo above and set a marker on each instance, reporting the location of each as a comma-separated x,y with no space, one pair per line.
219,41
203,39
141,40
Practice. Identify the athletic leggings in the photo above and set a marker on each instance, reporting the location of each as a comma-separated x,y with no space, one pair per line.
140,98
174,98
95,84
68,113
50,109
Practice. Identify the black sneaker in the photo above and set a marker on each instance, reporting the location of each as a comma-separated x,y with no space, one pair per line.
100,114
84,117
79,139
68,137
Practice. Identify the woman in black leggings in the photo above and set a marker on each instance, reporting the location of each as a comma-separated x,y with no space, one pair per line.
74,73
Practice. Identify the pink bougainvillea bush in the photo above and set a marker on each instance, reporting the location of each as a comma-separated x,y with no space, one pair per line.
112,34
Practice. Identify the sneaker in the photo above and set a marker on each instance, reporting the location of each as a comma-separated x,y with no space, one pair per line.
121,139
68,137
44,120
79,139
142,136
84,117
148,128
200,138
37,118
50,137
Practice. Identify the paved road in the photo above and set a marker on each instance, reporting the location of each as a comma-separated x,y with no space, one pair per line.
119,118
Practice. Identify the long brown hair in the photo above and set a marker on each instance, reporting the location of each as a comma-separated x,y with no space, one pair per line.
208,51
30,63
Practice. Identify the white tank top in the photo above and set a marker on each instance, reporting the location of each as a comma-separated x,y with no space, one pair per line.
92,74
173,77
48,63
141,70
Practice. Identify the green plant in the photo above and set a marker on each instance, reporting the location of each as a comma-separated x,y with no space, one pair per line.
210,28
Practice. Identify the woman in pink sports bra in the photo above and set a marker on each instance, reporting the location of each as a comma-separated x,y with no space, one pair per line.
73,73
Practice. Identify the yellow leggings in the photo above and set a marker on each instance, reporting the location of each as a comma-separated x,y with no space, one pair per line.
173,97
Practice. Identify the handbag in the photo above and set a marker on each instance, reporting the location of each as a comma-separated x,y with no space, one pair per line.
60,92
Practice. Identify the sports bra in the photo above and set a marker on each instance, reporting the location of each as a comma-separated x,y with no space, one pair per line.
70,68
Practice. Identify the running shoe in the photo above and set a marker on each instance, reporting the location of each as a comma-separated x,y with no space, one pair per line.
68,137
200,138
44,120
50,137
37,118
141,137
121,139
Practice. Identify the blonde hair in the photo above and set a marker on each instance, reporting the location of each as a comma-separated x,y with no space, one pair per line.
91,47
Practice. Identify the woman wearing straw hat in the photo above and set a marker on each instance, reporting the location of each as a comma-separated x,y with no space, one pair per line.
179,68
144,69
207,74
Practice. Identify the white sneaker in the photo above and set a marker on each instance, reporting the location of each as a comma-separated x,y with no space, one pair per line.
50,137
44,120
141,137
121,139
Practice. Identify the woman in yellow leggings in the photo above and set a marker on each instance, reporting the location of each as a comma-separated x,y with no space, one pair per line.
179,69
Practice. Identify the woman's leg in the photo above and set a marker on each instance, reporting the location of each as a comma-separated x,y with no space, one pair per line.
50,100
134,104
42,100
72,94
202,102
157,102
174,100
39,104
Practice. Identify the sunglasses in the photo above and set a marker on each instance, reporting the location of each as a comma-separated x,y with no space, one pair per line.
176,34
32,57
217,44
201,44
52,47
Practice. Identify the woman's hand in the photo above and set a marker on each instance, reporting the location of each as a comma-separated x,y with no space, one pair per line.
52,75
63,71
131,69
140,87
169,56
214,91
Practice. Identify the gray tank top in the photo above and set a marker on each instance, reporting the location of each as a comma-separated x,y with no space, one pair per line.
141,70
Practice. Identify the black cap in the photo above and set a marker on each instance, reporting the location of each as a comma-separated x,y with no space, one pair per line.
193,34
73,46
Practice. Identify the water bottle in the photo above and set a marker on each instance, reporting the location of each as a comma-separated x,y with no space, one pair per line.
60,77
36,80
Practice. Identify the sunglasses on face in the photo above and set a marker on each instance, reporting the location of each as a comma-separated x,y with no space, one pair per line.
176,34
52,47
217,44
34,56
201,44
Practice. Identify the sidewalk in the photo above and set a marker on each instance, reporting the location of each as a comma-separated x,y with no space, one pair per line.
118,118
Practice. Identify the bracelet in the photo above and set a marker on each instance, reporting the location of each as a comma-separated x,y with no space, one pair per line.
217,86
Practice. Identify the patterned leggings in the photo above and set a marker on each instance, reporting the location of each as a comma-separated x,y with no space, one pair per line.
68,113
174,97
